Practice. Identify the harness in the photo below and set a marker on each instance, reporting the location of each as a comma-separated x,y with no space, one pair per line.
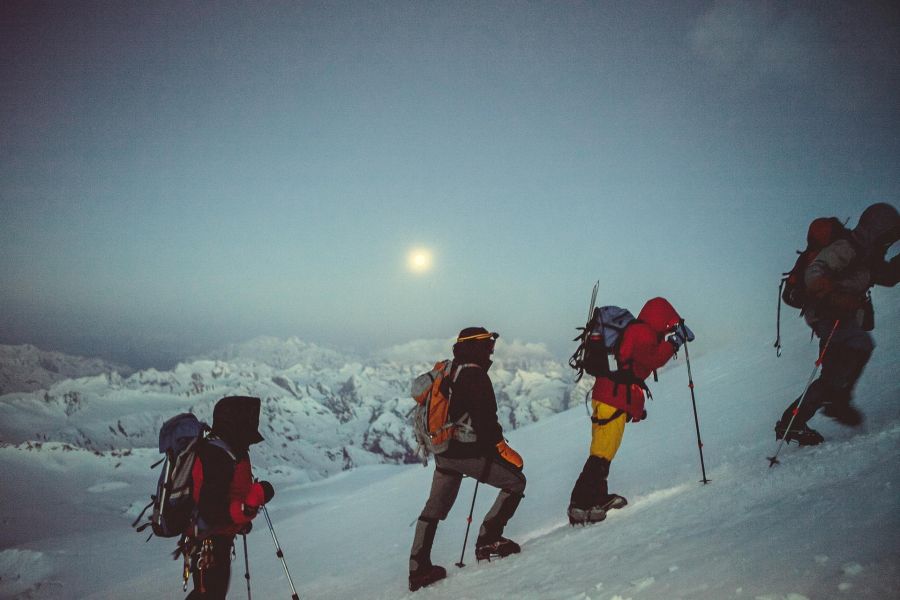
623,375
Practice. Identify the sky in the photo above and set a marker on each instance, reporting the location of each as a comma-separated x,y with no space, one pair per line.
175,176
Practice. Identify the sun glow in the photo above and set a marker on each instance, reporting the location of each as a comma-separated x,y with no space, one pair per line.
419,260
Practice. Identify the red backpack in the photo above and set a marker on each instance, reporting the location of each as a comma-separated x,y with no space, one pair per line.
822,232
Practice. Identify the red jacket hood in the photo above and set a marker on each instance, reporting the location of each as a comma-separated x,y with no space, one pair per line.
659,315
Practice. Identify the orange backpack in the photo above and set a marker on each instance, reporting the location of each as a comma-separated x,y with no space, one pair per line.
431,414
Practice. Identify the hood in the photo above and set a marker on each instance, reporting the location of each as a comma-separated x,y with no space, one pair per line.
878,228
659,315
236,421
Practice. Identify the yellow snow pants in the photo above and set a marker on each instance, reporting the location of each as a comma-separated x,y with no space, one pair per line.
605,439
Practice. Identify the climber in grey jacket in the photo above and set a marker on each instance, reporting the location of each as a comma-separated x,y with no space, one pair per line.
837,283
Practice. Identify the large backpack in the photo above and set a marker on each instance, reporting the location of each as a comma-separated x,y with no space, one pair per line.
431,423
174,509
822,232
599,338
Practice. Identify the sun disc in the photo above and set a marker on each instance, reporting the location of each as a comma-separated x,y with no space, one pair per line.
419,260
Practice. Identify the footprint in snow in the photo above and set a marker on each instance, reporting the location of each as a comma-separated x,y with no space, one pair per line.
107,486
643,584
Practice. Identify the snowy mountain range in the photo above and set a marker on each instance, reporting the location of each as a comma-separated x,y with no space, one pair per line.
26,368
322,411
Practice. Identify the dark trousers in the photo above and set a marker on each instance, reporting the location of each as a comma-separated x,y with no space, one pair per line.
211,577
845,358
448,475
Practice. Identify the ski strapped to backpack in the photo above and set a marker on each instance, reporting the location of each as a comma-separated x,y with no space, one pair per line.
822,232
432,392
174,509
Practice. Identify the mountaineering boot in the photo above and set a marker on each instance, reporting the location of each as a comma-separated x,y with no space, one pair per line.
499,549
844,413
426,576
421,571
612,501
800,433
596,513
584,516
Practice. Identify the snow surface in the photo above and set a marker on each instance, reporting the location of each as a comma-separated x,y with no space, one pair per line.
823,524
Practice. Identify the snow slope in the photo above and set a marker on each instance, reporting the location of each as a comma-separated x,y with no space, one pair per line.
823,524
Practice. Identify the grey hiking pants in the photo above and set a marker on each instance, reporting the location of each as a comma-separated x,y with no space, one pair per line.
448,475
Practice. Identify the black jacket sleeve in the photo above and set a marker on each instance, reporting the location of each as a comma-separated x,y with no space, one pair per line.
887,273
474,389
218,471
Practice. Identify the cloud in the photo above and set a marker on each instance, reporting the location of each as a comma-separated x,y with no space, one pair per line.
827,54
754,41
729,33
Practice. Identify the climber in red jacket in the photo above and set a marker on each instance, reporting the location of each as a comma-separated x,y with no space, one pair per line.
647,344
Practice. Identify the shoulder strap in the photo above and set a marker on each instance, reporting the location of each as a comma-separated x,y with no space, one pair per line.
222,444
459,368
456,373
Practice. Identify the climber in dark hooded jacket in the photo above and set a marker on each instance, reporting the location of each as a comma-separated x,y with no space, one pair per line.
646,345
226,495
838,308
486,458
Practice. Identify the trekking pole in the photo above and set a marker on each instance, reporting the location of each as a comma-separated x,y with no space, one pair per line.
461,564
687,359
773,460
280,554
777,344
246,566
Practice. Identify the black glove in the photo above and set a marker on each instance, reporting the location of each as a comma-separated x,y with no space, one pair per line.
887,273
679,335
268,491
